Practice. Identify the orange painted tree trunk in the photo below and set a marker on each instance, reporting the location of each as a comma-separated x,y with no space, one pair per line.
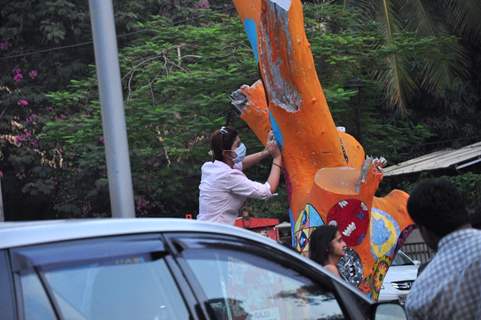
328,179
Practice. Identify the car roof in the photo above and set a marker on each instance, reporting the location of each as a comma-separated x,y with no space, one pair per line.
19,234
16,234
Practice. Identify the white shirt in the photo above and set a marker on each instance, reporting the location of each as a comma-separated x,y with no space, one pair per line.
223,191
450,285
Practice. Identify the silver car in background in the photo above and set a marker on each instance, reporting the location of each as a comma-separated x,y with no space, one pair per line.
399,278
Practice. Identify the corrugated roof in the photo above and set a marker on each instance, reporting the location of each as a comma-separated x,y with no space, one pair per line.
443,159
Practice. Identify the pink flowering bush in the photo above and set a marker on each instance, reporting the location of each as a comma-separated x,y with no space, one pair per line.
4,45
23,102
33,74
18,76
31,119
202,4
23,137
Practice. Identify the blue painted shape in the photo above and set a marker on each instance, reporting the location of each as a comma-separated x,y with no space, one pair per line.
360,215
380,232
293,223
303,240
360,238
314,217
277,131
304,217
251,30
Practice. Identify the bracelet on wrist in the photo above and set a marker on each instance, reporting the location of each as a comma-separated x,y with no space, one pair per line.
275,164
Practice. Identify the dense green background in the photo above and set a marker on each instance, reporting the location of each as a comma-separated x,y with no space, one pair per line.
419,91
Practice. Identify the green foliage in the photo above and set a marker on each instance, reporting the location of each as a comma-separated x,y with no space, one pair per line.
177,91
469,184
179,64
43,45
407,75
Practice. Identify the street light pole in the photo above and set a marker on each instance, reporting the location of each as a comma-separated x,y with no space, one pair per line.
358,115
2,214
113,118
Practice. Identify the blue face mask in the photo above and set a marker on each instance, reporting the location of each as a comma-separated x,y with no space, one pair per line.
240,153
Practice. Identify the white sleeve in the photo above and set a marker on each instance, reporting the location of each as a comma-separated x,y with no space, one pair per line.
241,185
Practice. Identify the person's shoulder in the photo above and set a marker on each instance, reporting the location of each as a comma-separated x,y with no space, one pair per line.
332,268
467,241
235,170
207,164
214,165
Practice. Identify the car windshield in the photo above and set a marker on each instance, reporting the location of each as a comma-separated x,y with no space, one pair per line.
402,259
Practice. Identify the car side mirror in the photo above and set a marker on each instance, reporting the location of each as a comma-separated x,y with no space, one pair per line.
389,311
417,262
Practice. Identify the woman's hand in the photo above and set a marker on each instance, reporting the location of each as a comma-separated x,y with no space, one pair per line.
271,146
270,137
275,151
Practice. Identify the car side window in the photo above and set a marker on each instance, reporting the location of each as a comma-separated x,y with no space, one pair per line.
100,286
239,284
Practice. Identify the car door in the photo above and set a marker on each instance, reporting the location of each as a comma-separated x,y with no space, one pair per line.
7,292
236,279
128,277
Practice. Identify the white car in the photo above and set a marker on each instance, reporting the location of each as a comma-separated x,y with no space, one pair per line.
166,269
399,278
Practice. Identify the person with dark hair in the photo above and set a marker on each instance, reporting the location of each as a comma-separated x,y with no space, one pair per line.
326,247
224,187
450,285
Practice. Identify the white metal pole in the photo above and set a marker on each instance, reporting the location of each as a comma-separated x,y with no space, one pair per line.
113,118
2,215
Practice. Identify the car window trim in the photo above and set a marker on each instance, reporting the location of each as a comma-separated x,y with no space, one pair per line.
196,287
26,258
50,295
19,296
182,284
187,273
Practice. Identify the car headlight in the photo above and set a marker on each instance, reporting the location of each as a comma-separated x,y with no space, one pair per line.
402,285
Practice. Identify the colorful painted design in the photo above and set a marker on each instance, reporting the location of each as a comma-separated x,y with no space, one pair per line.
380,270
384,233
351,217
350,267
323,166
306,222
403,236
